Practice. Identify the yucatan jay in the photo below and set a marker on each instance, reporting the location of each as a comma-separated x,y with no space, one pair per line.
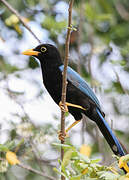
80,98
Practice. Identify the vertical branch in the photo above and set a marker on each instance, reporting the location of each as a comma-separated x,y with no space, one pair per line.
64,83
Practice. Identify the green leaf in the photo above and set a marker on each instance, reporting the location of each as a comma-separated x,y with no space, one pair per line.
59,172
67,157
95,161
76,177
64,146
3,148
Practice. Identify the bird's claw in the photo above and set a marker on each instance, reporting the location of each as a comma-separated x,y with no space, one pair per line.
62,136
63,107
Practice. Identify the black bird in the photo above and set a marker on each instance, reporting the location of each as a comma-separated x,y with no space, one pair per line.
80,98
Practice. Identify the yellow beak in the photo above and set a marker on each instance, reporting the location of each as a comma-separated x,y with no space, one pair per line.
30,52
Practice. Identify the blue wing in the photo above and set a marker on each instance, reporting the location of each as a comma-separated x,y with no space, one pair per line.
81,84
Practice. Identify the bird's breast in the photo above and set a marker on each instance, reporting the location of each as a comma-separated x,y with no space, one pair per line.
53,82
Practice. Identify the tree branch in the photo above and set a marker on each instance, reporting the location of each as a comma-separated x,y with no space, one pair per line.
32,170
36,171
64,83
20,18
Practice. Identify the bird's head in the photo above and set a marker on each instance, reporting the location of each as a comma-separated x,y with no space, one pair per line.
46,53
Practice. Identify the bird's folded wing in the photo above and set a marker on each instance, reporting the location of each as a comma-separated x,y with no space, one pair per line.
81,84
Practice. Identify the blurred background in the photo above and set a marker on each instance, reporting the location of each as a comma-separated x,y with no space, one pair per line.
29,119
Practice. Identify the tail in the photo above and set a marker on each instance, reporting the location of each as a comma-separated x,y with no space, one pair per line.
109,135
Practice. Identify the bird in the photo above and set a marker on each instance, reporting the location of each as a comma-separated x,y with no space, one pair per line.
80,98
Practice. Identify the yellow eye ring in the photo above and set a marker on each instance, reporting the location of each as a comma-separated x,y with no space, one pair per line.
43,49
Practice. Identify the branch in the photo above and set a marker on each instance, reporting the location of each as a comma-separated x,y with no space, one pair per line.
36,171
20,18
32,170
64,83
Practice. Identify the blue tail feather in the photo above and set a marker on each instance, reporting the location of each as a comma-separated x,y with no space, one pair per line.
109,135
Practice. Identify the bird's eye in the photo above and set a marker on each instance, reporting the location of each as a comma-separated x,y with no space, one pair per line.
43,49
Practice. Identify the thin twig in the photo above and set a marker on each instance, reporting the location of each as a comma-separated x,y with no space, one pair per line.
20,18
36,171
32,170
64,83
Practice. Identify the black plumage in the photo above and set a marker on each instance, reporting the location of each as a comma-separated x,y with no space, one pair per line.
78,92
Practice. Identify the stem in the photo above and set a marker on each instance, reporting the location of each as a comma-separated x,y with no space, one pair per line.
64,83
20,18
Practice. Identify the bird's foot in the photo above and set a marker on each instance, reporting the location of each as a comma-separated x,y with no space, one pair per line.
63,107
62,136
123,162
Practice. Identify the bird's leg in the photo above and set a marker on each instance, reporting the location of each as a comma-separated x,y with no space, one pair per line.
72,125
61,136
65,107
75,105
